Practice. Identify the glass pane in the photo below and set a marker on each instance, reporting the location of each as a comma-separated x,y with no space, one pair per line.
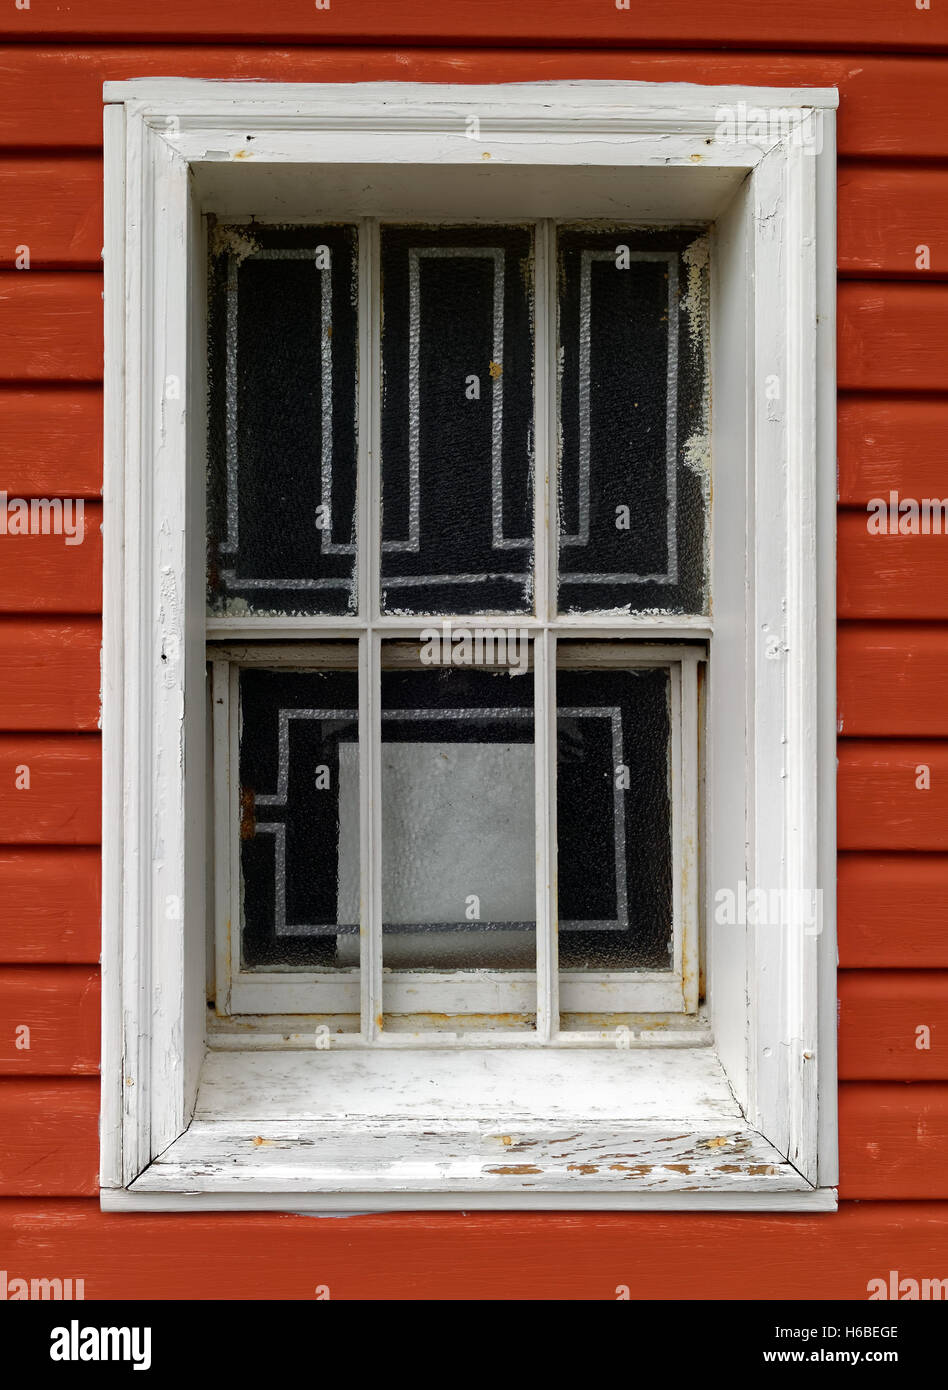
614,818
458,819
457,419
282,438
299,832
634,396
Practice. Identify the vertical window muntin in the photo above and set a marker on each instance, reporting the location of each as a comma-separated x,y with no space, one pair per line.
538,997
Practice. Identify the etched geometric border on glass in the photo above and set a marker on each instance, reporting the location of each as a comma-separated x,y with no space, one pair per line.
581,538
278,829
230,541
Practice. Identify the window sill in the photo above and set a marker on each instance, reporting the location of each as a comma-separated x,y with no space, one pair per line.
375,1131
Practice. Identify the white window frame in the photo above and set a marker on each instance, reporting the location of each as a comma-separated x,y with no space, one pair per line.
751,1120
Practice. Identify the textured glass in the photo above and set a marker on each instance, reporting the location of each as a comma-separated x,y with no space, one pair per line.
633,392
299,842
614,819
282,442
458,836
457,419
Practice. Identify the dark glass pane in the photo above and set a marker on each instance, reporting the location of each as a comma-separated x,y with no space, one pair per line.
457,419
299,834
614,819
282,446
458,819
634,471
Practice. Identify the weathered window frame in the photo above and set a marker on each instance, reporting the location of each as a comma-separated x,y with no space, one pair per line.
770,710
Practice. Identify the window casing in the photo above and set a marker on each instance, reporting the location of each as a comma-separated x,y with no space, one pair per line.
763,818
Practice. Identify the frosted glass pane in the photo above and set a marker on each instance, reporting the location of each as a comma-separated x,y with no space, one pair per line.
634,395
282,420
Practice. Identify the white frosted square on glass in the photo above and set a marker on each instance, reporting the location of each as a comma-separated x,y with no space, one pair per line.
457,822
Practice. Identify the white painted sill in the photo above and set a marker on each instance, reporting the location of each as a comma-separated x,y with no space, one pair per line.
344,1130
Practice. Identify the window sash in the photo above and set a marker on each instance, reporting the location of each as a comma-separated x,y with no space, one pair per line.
545,991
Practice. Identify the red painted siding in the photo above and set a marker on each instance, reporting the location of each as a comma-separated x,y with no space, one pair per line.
890,63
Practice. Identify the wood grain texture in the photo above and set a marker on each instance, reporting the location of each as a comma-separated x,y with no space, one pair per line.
887,216
51,441
59,1005
892,680
51,902
893,1025
892,911
888,444
804,24
494,1255
64,231
42,574
49,1141
52,97
879,805
49,674
893,1140
890,577
892,337
50,325
62,803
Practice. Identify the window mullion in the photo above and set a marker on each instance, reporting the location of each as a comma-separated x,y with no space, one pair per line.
547,1014
370,679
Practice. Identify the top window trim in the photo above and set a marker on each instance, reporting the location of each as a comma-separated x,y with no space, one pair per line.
159,135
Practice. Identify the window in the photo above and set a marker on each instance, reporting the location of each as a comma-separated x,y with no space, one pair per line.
467,670
463,935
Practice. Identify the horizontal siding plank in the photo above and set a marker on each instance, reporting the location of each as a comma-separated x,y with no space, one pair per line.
475,1256
892,680
889,576
58,1005
62,804
49,674
887,217
50,325
892,337
888,444
893,1025
51,441
44,574
51,97
64,231
50,902
804,24
49,1144
893,1140
879,805
892,911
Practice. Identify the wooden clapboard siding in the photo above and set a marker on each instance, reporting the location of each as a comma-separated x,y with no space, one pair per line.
50,326
484,1256
60,1007
893,679
893,1140
43,574
49,673
50,97
893,652
53,206
62,804
893,911
51,440
888,444
893,336
890,577
50,897
883,1019
887,216
869,24
880,806
49,1137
